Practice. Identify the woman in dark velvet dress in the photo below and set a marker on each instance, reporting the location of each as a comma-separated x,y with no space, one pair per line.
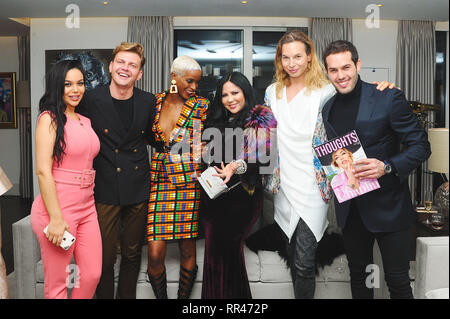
228,219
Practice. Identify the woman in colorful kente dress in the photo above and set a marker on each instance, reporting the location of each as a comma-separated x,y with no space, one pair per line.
173,211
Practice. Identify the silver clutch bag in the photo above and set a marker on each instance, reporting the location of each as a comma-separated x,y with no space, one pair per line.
213,184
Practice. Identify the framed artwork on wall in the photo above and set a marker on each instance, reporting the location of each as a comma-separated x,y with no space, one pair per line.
95,63
8,113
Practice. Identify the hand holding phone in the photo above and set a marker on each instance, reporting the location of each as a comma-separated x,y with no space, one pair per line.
67,240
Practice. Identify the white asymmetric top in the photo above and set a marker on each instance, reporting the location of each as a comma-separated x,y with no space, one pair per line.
299,194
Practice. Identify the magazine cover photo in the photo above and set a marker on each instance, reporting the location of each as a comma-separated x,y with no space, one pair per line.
337,157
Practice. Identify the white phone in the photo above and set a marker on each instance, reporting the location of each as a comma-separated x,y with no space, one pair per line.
67,239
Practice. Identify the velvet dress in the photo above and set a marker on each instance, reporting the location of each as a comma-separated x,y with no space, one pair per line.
227,220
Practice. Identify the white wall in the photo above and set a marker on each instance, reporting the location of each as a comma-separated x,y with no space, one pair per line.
377,46
52,34
9,138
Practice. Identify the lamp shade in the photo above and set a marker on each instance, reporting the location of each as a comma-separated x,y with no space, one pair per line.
5,183
438,161
23,94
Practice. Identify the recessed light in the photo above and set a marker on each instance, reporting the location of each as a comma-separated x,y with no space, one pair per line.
105,2
244,2
380,4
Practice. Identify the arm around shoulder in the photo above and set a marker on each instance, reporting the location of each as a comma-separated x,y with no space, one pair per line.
412,136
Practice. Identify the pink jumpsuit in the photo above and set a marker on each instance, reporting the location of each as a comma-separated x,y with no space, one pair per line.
74,180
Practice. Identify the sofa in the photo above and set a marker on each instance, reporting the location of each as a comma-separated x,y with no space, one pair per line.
268,274
432,272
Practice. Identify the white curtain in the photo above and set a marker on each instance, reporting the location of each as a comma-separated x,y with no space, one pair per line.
416,65
156,35
326,30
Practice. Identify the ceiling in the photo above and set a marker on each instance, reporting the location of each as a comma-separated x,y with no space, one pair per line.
392,9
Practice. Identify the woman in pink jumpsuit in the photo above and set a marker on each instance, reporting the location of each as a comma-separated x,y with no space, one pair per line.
65,148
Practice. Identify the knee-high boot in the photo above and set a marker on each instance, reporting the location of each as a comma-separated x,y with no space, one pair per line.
159,284
187,279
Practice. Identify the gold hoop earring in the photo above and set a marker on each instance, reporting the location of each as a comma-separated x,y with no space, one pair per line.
173,87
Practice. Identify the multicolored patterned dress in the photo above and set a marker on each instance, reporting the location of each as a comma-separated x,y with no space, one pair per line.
173,210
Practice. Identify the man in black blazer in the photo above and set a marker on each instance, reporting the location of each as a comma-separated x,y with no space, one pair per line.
395,144
122,117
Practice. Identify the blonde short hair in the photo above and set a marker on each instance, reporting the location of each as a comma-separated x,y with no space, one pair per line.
184,63
131,47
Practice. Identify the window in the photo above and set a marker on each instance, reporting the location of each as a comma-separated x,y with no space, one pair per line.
217,51
264,49
250,50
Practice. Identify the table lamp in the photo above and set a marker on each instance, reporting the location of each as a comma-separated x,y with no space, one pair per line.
438,162
5,185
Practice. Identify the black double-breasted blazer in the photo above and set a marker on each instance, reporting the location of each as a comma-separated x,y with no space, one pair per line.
122,165
388,131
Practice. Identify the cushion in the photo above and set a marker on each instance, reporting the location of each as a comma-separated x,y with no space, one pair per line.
273,267
441,293
432,266
338,271
173,264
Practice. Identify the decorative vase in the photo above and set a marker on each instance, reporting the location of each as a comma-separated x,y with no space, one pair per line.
441,199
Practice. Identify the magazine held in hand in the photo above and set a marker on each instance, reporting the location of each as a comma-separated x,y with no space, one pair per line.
337,157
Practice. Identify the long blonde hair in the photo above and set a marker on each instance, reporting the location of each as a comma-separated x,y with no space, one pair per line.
315,77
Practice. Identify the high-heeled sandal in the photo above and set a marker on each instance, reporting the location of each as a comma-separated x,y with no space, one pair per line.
187,279
159,284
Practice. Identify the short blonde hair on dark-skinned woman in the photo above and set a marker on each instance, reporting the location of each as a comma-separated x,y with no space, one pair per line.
315,77
183,64
131,47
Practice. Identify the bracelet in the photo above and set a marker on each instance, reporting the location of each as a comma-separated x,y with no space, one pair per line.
241,166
